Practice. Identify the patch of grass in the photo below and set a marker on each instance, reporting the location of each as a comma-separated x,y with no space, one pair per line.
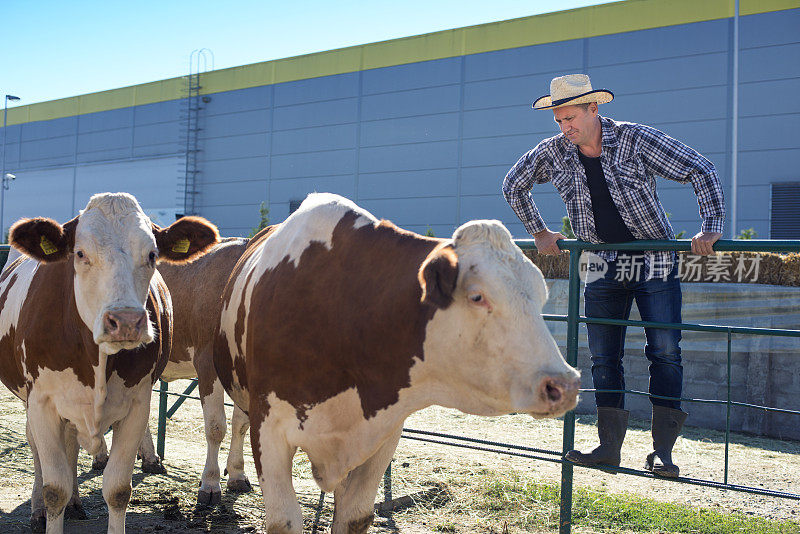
536,504
447,526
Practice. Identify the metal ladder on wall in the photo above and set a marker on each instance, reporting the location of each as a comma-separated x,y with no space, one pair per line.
190,107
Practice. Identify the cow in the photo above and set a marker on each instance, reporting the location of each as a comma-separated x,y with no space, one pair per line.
85,330
336,326
196,290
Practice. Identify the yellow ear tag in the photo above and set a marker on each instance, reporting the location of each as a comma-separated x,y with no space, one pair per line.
181,246
47,246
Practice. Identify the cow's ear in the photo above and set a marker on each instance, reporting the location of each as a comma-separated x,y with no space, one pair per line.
438,275
43,239
185,239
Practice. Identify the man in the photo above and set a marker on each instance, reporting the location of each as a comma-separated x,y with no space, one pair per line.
605,173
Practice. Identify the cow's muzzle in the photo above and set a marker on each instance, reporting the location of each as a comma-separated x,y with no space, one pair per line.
125,324
559,393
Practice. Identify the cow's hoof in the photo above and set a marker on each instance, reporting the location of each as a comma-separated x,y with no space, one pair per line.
39,522
74,511
99,464
208,498
154,468
239,485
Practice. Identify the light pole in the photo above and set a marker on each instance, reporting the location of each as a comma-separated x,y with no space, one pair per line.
6,177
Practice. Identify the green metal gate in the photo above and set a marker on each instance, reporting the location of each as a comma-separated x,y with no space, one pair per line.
573,319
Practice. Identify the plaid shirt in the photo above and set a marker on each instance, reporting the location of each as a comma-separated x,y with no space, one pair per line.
632,156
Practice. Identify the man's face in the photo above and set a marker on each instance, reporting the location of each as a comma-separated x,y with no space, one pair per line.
577,124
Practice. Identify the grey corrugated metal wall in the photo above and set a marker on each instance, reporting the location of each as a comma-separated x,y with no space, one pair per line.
427,144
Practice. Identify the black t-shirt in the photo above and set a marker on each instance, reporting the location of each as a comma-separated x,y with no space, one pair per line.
607,220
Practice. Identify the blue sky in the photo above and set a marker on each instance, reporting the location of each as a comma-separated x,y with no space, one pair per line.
58,48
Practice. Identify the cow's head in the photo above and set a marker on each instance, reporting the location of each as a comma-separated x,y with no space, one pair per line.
491,348
114,247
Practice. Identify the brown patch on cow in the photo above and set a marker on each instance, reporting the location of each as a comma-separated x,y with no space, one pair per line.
196,290
348,317
240,366
185,239
119,498
359,526
255,443
54,497
254,244
55,336
241,317
11,372
10,269
224,362
4,295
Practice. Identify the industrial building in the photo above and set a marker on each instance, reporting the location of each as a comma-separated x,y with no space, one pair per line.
422,130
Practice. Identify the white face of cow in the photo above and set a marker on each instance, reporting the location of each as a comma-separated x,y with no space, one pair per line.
114,255
114,247
493,350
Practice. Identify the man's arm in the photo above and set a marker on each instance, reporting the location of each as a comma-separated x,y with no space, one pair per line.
668,157
517,185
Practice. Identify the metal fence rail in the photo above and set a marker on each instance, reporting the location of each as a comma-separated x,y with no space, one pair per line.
573,319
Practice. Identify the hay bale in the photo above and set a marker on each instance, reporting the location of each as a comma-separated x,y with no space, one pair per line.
722,267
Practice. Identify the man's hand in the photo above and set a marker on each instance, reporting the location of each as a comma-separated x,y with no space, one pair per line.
702,243
546,242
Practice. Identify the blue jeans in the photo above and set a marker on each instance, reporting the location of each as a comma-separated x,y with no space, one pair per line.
658,300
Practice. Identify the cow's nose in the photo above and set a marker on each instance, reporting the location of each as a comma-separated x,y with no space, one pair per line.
124,325
560,391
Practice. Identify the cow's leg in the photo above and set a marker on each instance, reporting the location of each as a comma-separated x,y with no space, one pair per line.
38,511
47,430
101,458
274,467
74,508
237,480
354,498
117,475
151,463
210,492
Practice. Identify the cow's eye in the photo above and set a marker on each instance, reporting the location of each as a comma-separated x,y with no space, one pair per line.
476,297
80,254
152,257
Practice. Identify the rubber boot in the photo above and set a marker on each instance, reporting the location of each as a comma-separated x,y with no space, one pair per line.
612,423
666,425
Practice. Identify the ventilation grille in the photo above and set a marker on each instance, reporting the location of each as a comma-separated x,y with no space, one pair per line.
785,219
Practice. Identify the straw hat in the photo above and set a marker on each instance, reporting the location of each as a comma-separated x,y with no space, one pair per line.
570,90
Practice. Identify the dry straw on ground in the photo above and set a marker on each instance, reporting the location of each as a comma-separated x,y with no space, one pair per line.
165,503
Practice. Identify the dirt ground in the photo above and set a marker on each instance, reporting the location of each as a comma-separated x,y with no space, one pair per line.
166,503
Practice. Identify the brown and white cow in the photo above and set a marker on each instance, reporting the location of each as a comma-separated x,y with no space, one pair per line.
196,290
85,330
337,326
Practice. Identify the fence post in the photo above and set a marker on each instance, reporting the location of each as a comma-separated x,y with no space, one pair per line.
565,520
162,418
